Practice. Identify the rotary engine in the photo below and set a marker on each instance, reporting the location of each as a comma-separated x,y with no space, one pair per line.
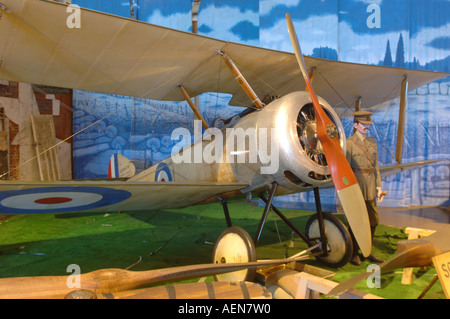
288,150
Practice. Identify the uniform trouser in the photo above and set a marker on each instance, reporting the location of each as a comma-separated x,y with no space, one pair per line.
374,219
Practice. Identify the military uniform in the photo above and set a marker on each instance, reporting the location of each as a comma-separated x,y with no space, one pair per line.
362,155
363,159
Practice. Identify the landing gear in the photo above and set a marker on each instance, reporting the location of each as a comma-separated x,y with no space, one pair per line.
339,244
235,245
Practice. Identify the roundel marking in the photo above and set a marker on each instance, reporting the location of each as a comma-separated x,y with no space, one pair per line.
53,200
59,199
162,173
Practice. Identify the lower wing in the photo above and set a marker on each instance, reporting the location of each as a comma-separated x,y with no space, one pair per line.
19,197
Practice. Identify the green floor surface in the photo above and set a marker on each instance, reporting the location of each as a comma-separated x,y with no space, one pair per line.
46,244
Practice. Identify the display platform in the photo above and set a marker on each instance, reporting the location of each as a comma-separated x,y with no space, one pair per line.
47,244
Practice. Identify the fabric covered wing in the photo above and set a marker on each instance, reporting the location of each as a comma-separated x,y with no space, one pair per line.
103,196
399,168
116,55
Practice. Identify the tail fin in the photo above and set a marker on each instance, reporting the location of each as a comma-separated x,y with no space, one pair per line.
120,166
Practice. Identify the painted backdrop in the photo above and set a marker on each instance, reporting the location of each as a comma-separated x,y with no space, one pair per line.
398,33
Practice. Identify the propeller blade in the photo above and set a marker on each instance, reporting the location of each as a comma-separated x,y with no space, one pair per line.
344,179
417,253
112,280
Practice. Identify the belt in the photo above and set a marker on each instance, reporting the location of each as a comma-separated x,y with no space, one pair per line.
364,170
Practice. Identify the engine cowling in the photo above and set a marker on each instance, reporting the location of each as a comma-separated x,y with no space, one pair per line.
288,150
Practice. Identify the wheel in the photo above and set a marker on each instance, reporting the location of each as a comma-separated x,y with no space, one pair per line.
234,245
340,245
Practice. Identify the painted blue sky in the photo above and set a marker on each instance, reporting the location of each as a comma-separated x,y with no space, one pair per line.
342,25
395,14
117,7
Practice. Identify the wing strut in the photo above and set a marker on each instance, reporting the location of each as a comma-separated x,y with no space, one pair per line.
358,104
193,107
241,80
401,120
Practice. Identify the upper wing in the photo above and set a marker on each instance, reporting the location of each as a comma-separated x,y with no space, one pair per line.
122,56
19,197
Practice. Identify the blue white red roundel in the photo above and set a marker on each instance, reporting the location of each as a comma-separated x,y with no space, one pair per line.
59,199
162,173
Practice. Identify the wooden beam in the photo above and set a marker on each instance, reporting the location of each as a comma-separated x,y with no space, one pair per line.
44,139
401,120
242,81
195,290
414,233
194,11
193,107
288,283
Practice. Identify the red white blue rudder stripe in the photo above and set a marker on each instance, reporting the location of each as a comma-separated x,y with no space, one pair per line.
120,166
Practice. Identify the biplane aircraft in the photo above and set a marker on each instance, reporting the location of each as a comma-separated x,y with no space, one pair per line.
295,141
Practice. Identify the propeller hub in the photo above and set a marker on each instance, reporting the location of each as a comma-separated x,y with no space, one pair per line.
310,139
332,131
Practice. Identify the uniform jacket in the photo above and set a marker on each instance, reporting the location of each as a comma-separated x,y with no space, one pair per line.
361,165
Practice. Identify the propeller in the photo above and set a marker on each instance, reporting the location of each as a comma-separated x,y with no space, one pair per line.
410,253
343,177
113,280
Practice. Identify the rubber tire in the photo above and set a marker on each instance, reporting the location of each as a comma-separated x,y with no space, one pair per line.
234,245
339,240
